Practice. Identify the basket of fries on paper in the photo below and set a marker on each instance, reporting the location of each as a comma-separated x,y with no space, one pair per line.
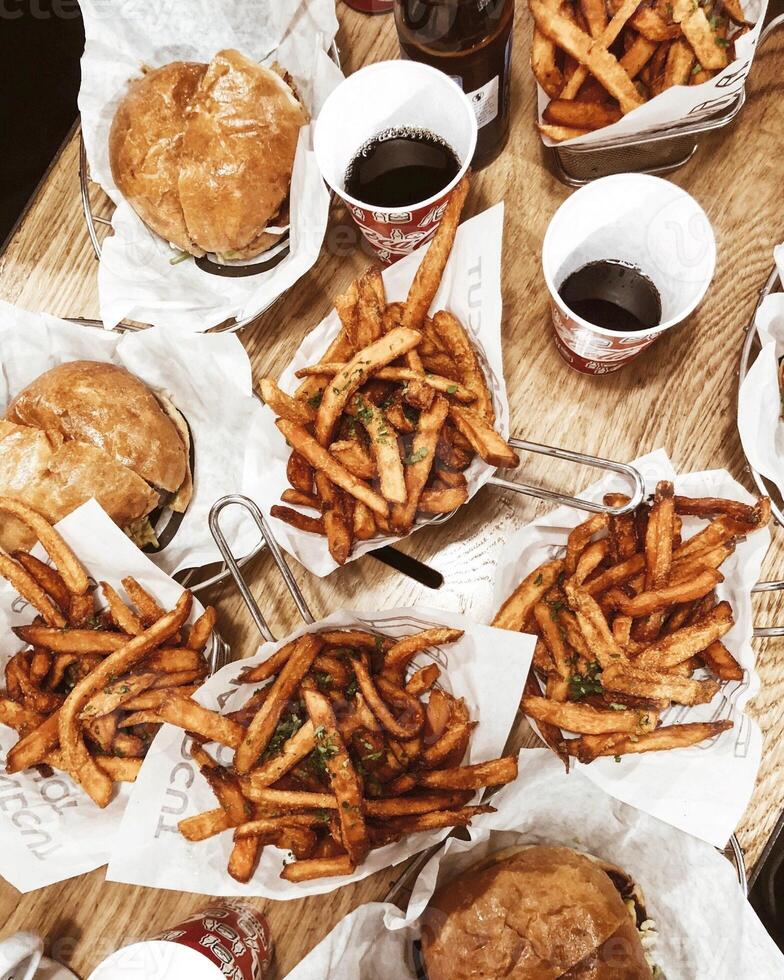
628,86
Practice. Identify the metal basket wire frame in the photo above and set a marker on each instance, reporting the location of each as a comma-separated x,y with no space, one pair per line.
750,346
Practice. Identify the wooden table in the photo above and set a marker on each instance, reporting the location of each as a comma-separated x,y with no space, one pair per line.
680,394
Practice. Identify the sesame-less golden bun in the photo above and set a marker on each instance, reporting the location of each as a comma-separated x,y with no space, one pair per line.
533,913
204,153
91,429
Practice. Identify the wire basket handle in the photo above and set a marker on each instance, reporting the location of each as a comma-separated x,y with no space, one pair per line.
773,586
632,475
237,499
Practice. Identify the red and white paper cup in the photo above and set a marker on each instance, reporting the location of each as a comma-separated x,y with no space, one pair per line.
642,221
227,940
389,95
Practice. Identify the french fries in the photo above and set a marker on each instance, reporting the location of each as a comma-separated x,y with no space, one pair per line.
348,747
383,426
628,625
73,689
598,61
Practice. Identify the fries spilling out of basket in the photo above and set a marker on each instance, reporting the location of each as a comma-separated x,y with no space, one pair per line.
85,691
346,748
625,620
383,427
599,59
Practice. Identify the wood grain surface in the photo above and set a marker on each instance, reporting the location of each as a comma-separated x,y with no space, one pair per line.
680,394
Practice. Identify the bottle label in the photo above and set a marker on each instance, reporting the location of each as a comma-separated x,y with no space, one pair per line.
485,102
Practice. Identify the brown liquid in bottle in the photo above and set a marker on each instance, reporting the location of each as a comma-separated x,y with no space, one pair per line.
470,40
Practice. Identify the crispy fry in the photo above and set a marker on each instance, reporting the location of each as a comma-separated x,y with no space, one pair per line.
397,727
66,562
300,499
47,577
149,610
514,613
401,653
442,501
322,867
648,602
720,661
579,539
587,720
120,770
116,694
29,589
72,640
588,748
385,449
337,517
312,525
321,459
643,683
419,463
193,717
125,619
434,821
544,64
361,367
262,727
445,385
484,440
594,627
580,115
593,56
687,641
431,268
244,857
300,745
423,679
494,773
343,778
453,337
284,405
299,473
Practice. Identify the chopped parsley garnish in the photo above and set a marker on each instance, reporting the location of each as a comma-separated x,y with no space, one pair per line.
539,579
351,689
583,685
289,725
315,400
451,389
416,457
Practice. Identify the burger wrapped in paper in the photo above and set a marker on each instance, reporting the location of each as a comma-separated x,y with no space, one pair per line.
90,429
204,153
537,913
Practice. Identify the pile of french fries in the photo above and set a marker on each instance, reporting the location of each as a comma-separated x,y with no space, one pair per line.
382,428
599,59
84,692
337,754
625,619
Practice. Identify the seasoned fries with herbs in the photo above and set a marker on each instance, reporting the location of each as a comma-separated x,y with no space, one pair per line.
628,625
88,691
348,747
597,61
382,428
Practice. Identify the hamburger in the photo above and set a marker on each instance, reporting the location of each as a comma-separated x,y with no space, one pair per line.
89,429
204,153
536,913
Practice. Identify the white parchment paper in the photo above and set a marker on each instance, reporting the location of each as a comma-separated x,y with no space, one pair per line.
487,667
704,789
681,104
50,829
707,930
136,278
471,290
208,378
761,401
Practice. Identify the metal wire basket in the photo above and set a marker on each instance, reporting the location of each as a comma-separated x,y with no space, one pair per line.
98,225
749,351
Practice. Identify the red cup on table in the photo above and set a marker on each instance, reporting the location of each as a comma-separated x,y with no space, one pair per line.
227,940
646,224
381,98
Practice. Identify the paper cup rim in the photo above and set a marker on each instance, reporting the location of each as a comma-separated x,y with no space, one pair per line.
401,65
650,180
